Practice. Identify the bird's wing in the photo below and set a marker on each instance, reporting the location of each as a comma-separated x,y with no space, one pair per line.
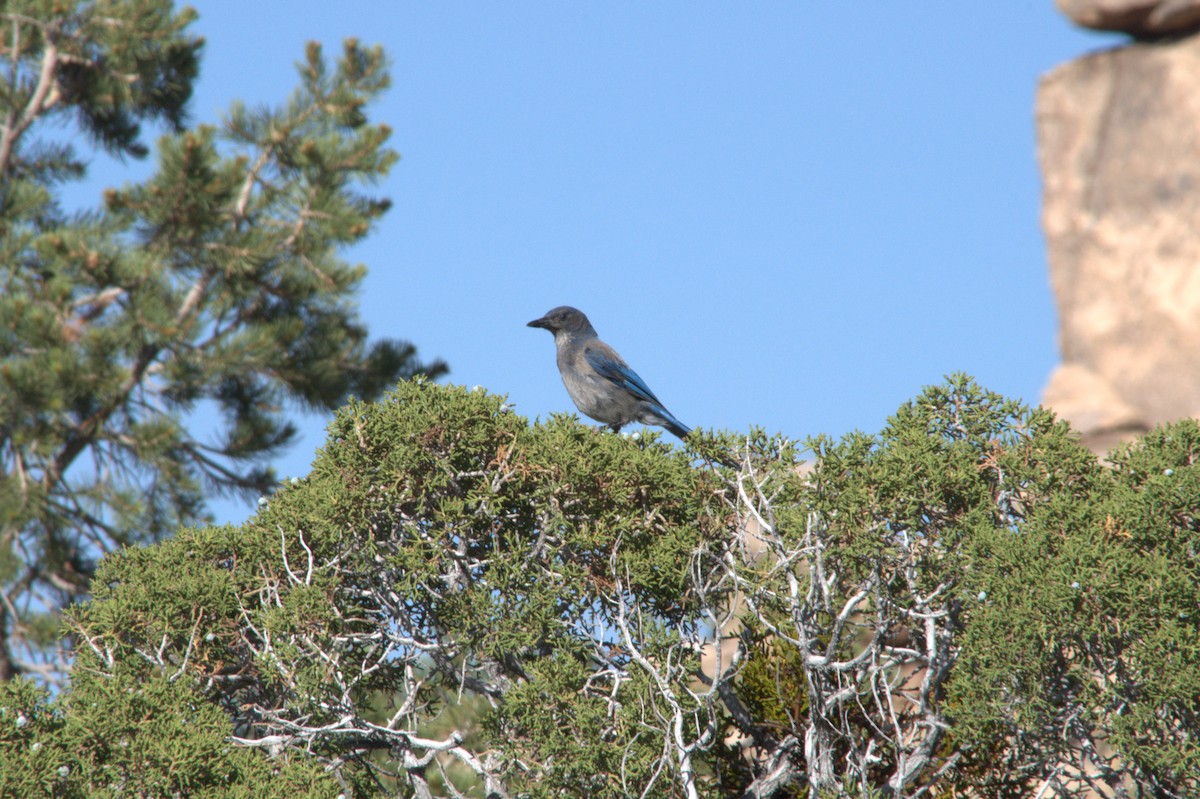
610,366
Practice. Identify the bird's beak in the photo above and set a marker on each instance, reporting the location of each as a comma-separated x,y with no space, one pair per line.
542,322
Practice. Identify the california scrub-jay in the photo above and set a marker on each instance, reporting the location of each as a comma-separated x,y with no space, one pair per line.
599,381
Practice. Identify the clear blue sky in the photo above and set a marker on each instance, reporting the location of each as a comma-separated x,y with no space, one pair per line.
792,215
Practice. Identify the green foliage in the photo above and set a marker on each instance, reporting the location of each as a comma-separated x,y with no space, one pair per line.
217,285
544,715
458,600
140,735
1090,626
33,744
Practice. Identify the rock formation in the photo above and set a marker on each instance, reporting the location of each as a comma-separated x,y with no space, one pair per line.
1119,146
1140,18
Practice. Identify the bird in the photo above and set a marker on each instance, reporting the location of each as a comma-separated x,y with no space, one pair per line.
598,380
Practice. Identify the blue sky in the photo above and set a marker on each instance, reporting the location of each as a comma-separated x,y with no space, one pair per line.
792,215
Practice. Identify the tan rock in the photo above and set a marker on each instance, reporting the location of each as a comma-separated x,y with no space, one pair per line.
1141,18
1119,145
1082,396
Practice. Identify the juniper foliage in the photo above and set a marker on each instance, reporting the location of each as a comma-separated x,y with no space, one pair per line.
455,599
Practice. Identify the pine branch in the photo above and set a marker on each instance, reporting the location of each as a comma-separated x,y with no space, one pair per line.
45,95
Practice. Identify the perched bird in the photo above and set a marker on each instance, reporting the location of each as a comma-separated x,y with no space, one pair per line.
599,381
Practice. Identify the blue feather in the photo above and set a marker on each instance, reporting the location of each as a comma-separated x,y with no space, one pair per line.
621,374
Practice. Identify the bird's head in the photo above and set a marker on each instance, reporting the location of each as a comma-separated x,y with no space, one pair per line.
564,320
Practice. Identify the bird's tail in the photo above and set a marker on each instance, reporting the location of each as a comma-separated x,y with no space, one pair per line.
677,429
673,425
681,430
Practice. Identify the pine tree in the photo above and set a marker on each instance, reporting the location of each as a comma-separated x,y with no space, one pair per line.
214,284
